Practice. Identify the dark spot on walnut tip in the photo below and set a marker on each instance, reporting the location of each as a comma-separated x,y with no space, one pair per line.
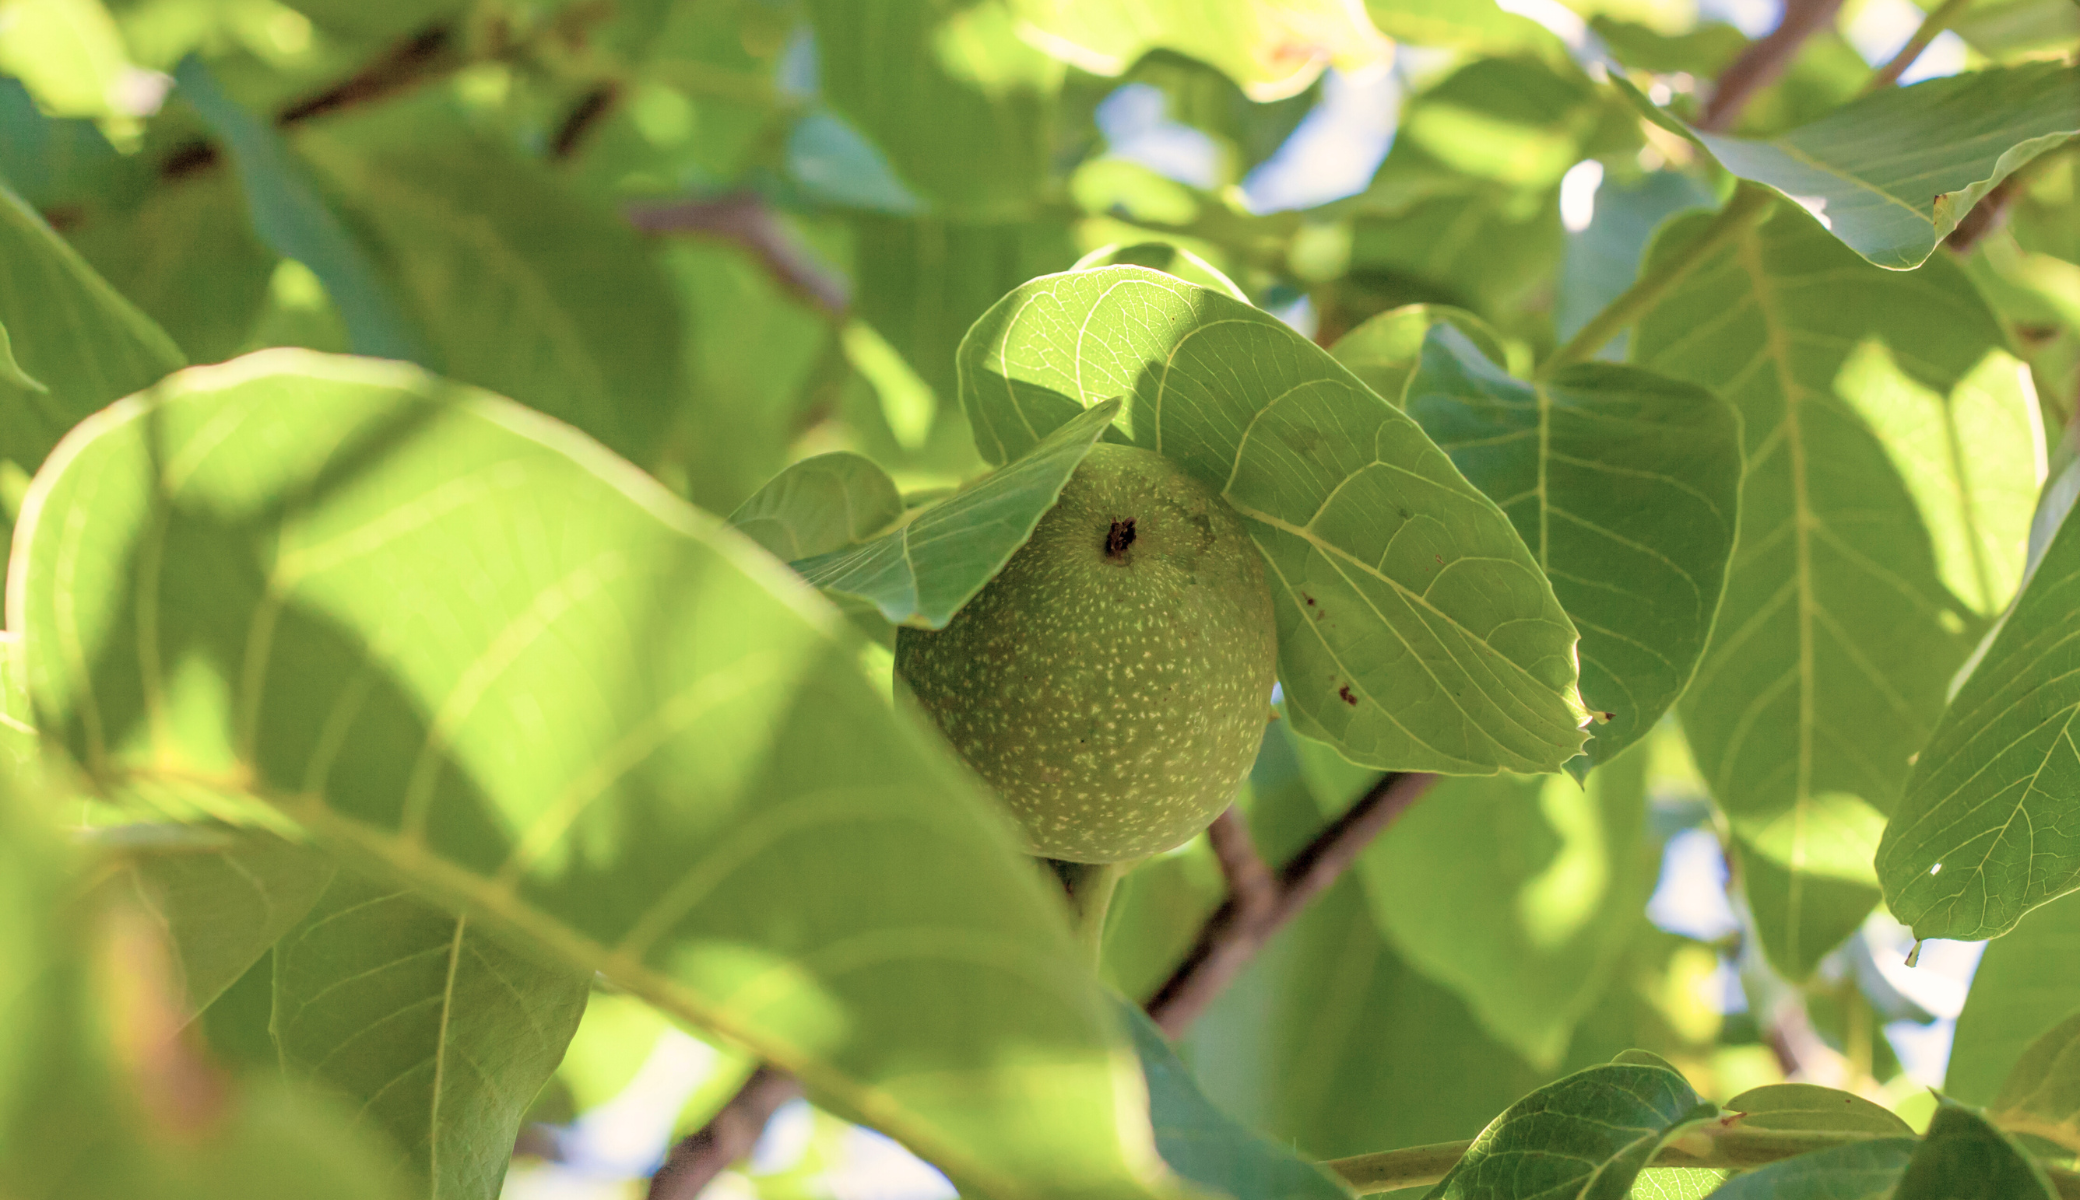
1345,692
1120,537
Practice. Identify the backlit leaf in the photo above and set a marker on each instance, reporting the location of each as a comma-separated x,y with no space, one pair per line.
2042,1094
1836,640
1385,349
922,573
1810,1106
818,505
1270,48
1415,629
466,648
2028,979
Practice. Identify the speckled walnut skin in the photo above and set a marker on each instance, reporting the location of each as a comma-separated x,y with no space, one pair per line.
1112,683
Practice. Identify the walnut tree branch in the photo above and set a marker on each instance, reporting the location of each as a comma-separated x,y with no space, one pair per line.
1253,912
1763,61
746,219
727,1137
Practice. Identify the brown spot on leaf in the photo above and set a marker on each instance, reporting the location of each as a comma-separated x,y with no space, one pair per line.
1345,692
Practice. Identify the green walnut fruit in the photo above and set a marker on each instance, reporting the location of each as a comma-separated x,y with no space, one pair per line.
1113,682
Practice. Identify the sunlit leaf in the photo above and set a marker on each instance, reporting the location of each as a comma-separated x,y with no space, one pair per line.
1892,173
1962,1157
1858,1171
2042,1094
461,644
819,505
439,1034
1585,1137
1626,485
2028,979
1836,640
922,573
1271,48
1415,629
1810,1106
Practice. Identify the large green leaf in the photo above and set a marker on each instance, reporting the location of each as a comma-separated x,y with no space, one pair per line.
957,100
1990,825
1626,486
1205,1145
1857,1171
70,332
1892,173
819,505
1384,350
1585,1137
2042,1094
1963,1157
1416,631
438,1033
297,223
518,285
1836,640
221,898
1810,1106
1270,48
922,573
2027,980
1520,893
470,651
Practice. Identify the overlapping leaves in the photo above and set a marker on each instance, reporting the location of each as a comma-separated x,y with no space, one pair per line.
464,646
1415,629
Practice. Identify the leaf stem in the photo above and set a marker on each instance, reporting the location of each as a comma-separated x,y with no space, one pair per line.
1090,887
1735,1147
1750,203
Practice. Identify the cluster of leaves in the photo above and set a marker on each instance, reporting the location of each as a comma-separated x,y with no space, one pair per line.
413,710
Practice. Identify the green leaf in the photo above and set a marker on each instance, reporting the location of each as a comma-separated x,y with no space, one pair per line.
1962,1157
438,1033
1256,43
221,898
84,344
1626,486
1519,893
1603,259
1892,173
1208,1147
957,100
1990,825
188,256
1585,1137
1810,1106
293,219
2026,981
520,286
2042,1094
11,372
1856,1171
1415,629
1478,25
1384,350
922,573
819,505
468,650
1677,1183
1836,640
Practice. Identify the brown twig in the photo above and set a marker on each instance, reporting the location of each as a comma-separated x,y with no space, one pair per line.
1985,216
1241,926
747,220
1763,61
591,108
727,1137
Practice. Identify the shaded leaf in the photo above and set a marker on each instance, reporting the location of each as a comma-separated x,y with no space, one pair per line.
463,646
1626,486
1834,645
1270,48
516,284
922,573
1990,825
2042,1094
1384,350
1962,1157
292,218
819,505
11,372
70,332
1415,629
1585,1137
2027,980
1603,259
1208,1147
1857,1171
221,898
1810,1106
438,1033
1893,172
